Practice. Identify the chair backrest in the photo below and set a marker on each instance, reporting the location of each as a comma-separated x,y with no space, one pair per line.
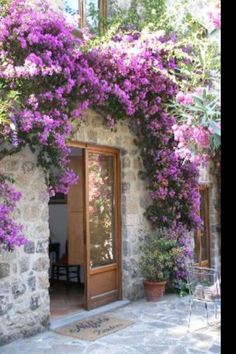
204,283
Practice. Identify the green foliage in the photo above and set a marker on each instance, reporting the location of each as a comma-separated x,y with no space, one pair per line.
7,100
136,16
3,7
156,261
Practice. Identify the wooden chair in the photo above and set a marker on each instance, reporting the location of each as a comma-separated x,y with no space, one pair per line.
62,268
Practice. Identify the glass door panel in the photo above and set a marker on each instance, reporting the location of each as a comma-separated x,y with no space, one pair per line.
103,240
101,209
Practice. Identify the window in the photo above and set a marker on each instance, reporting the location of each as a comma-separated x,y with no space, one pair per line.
89,11
202,237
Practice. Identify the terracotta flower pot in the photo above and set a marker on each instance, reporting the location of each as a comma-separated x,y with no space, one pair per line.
154,290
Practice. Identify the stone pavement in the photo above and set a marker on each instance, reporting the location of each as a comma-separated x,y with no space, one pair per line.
159,327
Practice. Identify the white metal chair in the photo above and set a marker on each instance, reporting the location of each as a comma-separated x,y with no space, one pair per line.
204,286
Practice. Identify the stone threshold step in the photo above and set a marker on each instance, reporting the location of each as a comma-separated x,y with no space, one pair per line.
83,314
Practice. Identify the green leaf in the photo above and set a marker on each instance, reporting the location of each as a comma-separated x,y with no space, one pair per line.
215,142
215,128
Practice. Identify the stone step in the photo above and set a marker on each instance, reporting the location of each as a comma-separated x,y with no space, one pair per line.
83,314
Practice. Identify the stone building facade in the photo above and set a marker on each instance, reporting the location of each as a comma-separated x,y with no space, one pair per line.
24,278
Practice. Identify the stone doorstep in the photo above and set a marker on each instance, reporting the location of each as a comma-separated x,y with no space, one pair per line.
84,314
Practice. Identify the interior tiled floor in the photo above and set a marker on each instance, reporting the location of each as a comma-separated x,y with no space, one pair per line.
65,298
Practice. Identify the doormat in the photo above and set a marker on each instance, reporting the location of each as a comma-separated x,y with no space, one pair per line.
94,327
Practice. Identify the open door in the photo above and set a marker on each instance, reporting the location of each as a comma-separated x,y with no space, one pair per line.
102,224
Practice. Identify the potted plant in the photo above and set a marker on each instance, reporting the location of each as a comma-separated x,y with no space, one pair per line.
156,264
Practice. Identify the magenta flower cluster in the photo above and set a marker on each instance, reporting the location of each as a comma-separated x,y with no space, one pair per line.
137,70
10,232
40,57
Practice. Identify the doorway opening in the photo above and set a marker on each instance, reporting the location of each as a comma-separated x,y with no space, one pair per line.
85,241
66,245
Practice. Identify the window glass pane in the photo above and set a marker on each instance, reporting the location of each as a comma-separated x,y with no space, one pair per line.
204,233
196,247
71,5
101,209
72,11
92,14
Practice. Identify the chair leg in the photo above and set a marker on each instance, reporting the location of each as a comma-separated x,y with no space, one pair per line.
78,274
207,312
190,313
215,308
52,274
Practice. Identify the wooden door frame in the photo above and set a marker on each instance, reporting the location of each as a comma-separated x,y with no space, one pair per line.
205,263
117,181
102,9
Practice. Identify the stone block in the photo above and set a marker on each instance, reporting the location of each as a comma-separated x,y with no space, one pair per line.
42,247
43,282
125,187
45,213
14,268
4,288
132,220
24,264
41,264
28,166
31,281
126,162
129,176
5,304
92,136
18,289
132,206
29,247
45,321
34,302
126,248
24,180
4,270
11,165
123,152
31,212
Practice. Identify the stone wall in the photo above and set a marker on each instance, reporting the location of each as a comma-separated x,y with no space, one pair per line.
24,298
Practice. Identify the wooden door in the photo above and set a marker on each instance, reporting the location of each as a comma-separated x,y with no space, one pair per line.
75,214
102,200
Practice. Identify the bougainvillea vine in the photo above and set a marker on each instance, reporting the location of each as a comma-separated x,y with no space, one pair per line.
131,76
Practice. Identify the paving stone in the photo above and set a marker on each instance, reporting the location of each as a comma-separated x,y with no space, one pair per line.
179,349
215,348
4,270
